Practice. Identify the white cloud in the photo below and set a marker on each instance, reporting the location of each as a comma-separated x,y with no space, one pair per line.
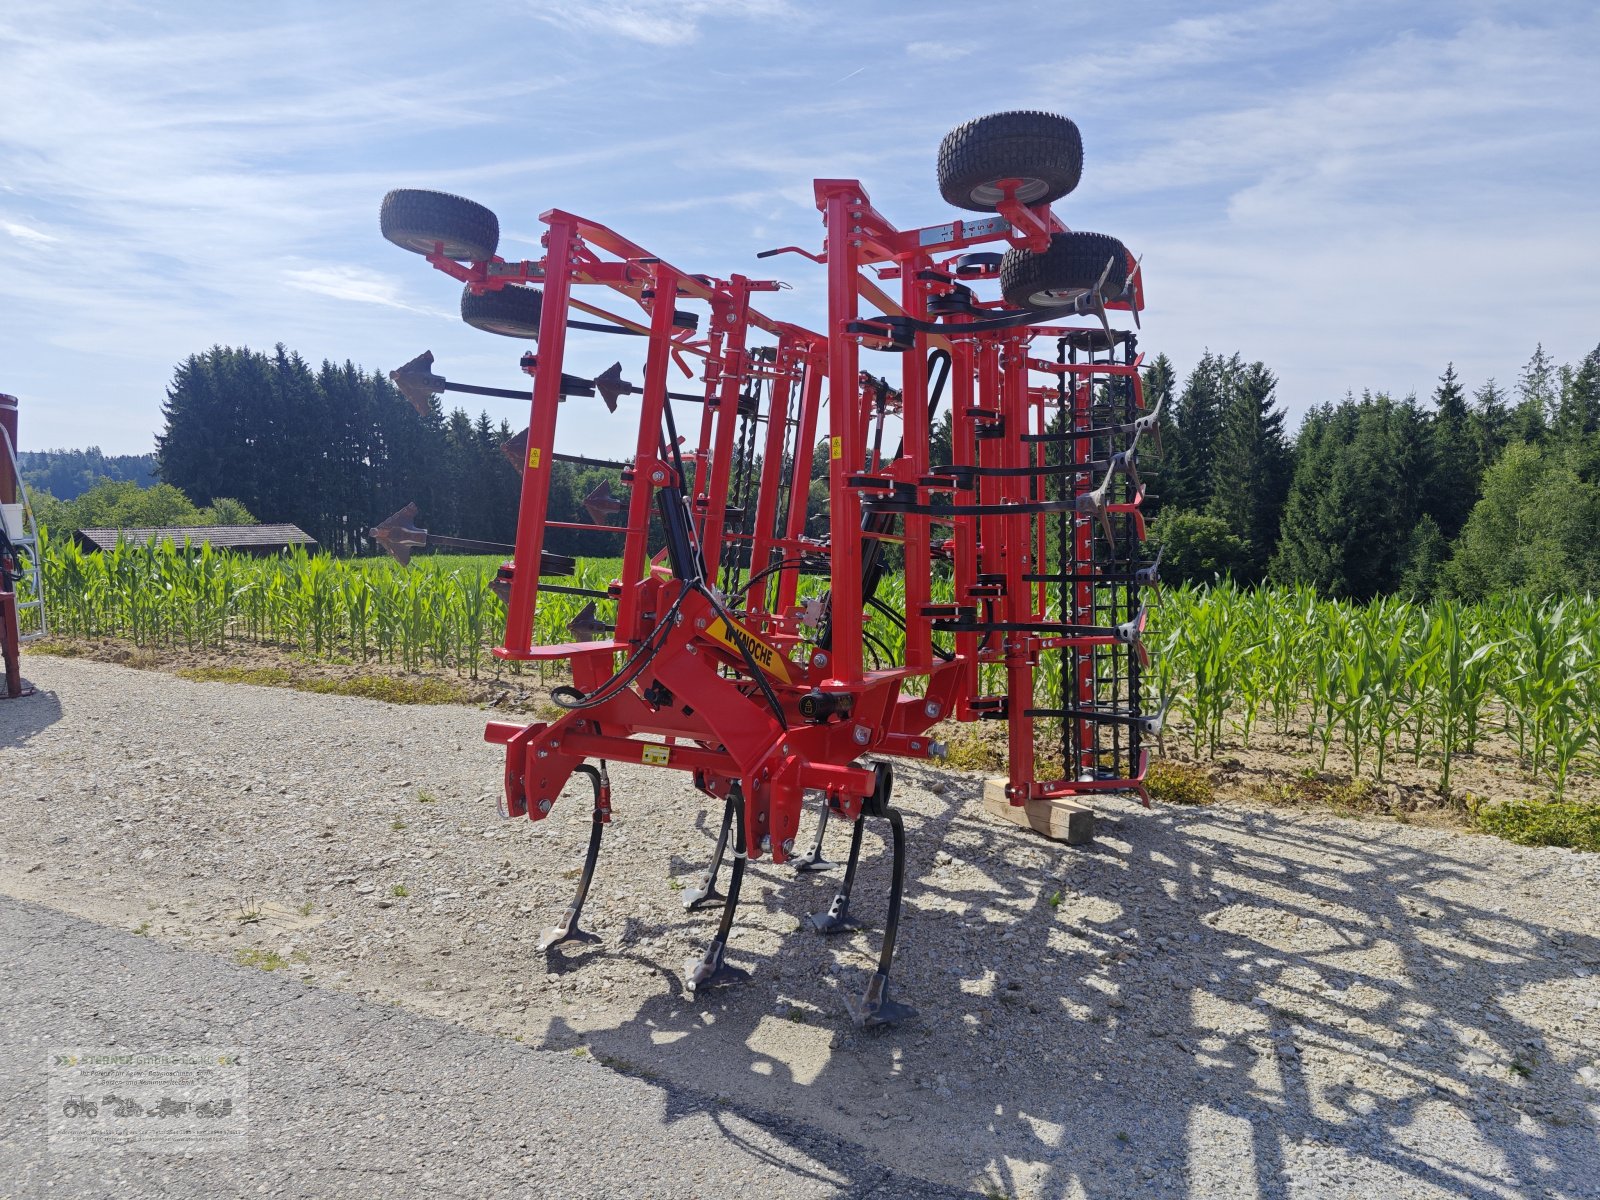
654,22
26,233
359,284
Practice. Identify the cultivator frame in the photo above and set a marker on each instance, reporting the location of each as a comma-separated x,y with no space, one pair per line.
713,662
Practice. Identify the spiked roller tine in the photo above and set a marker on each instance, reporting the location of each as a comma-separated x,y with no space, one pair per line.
600,503
398,535
417,382
1129,292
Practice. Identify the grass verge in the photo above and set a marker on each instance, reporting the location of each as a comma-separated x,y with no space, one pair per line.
390,688
1570,823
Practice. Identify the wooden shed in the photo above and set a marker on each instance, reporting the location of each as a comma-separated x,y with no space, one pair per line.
246,539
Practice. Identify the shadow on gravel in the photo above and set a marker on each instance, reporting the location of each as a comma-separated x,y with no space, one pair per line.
1211,1007
24,718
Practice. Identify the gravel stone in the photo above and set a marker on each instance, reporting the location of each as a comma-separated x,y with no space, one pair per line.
1227,1001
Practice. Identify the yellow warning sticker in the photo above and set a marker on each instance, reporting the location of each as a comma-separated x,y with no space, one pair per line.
836,447
739,639
657,756
533,457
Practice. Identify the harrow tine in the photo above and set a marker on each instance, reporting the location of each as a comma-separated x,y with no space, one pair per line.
712,968
567,930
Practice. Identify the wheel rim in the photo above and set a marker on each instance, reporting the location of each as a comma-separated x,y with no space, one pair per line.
1028,190
1055,297
451,250
508,329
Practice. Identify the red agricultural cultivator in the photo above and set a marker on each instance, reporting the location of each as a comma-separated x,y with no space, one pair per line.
712,653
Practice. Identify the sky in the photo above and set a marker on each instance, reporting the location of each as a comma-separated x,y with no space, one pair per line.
1354,193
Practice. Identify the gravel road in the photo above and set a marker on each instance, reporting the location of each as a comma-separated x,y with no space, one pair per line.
1222,1002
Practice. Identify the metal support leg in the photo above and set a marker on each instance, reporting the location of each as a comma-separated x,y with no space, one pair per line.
567,930
812,860
837,919
704,894
875,1006
711,969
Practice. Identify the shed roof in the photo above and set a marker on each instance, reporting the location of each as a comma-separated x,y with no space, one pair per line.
223,537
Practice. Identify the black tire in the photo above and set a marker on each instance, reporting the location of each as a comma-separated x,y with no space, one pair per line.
511,312
427,221
1042,149
1072,266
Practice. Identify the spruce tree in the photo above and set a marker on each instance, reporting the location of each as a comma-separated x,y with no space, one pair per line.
1251,465
1536,398
1453,483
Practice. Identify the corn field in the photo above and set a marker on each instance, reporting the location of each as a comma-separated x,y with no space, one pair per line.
439,612
1388,680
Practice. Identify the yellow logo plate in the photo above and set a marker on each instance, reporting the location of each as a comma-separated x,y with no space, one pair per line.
739,639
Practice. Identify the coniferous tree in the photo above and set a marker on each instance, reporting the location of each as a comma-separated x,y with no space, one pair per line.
1490,424
1578,413
1251,465
1536,398
1453,483
1197,419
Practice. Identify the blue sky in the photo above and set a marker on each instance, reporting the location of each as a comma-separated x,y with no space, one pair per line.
1354,193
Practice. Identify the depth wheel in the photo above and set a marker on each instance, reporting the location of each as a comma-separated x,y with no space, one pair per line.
1071,267
437,222
1042,151
511,312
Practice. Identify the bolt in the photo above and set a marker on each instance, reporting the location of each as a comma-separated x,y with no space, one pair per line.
544,754
915,745
786,747
862,735
932,709
690,650
938,750
699,622
819,659
658,476
766,843
544,806
788,846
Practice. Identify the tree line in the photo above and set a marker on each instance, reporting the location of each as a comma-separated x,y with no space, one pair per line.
1466,493
336,449
1464,496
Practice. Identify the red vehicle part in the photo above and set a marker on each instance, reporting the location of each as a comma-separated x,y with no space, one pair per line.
714,657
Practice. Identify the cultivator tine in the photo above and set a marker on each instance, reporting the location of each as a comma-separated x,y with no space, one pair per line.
567,930
600,503
397,535
837,919
876,1006
587,625
704,894
712,968
812,859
